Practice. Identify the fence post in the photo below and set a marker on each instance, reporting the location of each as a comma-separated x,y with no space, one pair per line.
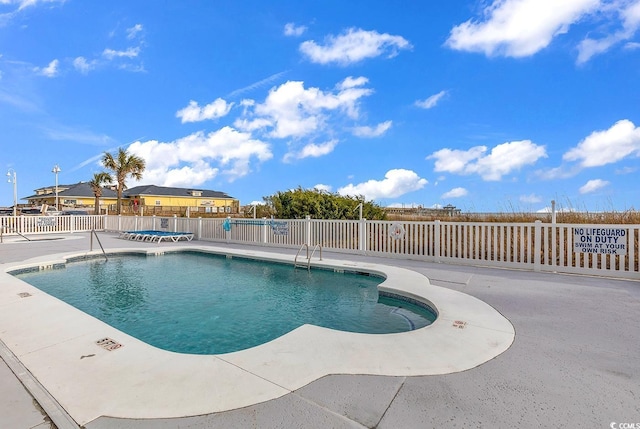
307,231
227,234
436,240
537,245
119,222
265,227
362,235
199,228
153,222
175,223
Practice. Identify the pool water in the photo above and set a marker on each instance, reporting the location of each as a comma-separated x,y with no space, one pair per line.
198,303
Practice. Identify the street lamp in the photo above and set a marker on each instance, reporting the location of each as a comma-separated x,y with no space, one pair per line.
55,171
14,179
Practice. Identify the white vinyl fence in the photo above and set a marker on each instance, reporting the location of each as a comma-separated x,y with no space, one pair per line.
10,225
593,249
603,250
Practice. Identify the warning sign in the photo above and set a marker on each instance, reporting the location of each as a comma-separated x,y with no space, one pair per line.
607,241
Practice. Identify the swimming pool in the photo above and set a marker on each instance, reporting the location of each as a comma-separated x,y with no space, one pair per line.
200,303
61,346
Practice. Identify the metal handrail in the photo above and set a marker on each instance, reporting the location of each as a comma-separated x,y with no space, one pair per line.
93,232
14,230
295,261
317,246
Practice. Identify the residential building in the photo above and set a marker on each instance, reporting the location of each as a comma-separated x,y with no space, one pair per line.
78,195
142,200
154,199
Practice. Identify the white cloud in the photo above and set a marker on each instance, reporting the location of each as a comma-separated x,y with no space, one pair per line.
629,15
562,172
253,124
123,59
632,46
455,193
456,161
16,6
22,4
128,53
592,186
49,71
82,65
198,157
352,82
431,101
519,28
608,146
291,110
377,131
626,170
531,198
258,84
321,187
502,160
549,209
66,133
194,113
290,29
352,46
133,31
312,150
395,183
135,68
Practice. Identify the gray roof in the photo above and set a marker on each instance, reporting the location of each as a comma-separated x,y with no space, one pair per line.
172,192
81,189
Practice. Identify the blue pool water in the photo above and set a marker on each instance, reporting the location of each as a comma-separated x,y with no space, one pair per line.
198,303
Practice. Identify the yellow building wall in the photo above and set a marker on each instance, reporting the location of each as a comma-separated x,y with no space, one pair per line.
168,201
70,201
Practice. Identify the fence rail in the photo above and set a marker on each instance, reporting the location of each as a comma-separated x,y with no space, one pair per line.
595,249
10,225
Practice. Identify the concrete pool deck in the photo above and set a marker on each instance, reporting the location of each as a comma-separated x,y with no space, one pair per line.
574,360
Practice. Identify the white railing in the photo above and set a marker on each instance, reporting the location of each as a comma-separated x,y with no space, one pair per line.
593,249
48,224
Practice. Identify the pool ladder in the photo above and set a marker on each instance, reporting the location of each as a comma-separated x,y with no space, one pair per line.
308,265
91,235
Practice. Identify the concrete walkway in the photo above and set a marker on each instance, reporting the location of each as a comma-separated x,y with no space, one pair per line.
575,362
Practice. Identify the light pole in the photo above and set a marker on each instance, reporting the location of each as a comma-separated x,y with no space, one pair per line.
55,171
13,178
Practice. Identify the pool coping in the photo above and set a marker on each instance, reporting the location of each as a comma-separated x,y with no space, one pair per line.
57,344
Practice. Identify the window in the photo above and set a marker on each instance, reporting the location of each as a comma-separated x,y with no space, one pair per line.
157,202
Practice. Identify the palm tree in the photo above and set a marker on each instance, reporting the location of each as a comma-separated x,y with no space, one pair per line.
123,165
97,183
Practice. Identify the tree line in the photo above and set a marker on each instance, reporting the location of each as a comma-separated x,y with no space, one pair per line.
300,203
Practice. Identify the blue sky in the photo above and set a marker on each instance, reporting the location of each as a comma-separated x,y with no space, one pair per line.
489,105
